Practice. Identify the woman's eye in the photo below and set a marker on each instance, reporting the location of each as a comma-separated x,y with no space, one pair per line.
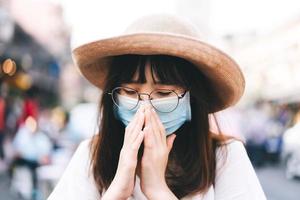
163,93
129,92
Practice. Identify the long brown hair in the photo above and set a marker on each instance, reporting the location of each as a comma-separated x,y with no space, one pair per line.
192,161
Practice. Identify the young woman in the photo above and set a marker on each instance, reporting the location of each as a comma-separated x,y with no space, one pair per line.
160,82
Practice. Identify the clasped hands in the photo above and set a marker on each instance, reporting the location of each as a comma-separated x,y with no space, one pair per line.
145,127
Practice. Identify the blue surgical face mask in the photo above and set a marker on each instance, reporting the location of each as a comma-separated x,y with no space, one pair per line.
172,121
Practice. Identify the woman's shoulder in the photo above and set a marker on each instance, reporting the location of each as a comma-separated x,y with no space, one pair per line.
232,144
235,175
85,145
77,181
82,152
230,151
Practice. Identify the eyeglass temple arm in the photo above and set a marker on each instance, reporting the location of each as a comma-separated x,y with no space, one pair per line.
182,95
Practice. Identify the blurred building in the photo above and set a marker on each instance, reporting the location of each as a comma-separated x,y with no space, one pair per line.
270,62
34,35
35,66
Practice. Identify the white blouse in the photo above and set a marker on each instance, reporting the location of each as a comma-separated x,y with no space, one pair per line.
235,178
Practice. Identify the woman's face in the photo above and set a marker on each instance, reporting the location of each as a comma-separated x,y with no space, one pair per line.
171,102
152,83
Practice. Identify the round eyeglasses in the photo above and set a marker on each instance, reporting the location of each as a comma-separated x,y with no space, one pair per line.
162,100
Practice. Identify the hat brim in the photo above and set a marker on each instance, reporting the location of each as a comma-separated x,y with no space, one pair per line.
226,78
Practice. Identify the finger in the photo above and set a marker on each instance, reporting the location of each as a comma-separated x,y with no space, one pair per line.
161,127
147,116
155,127
148,124
140,113
132,122
148,138
138,127
131,125
138,141
170,141
137,124
136,118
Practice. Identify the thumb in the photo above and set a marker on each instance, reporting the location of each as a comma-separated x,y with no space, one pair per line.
170,141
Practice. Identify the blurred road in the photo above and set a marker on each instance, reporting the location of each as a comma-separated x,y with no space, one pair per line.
275,184
272,178
4,189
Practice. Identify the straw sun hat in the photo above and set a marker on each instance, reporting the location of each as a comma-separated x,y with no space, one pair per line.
169,35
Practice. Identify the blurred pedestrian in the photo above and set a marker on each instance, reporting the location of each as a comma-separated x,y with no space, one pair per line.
3,108
159,82
291,148
32,149
30,106
2,126
256,133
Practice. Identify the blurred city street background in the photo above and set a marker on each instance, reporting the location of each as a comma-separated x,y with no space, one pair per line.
47,108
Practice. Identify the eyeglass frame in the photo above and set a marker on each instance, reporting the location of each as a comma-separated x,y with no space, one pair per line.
147,94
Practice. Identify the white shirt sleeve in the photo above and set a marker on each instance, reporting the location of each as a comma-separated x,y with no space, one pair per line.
77,181
236,178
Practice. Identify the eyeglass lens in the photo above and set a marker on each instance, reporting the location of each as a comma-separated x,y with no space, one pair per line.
162,100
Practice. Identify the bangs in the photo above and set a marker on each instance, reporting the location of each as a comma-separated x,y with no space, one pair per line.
168,70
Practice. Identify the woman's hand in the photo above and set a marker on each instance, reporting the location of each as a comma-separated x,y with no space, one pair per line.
123,183
155,157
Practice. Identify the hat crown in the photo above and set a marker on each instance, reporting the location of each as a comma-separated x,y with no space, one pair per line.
165,35
165,24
